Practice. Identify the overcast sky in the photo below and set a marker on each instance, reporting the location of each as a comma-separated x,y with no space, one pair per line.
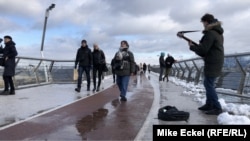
149,26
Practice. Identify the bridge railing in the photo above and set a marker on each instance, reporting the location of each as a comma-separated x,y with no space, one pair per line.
235,75
39,71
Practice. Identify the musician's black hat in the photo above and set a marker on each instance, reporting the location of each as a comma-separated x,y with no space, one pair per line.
7,37
207,18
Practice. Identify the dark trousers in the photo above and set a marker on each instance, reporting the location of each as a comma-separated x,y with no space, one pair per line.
82,69
8,82
99,71
113,73
162,70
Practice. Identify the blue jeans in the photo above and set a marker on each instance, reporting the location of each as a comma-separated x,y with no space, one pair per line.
122,82
211,95
81,69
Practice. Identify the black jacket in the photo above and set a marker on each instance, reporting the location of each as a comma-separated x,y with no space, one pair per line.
169,61
98,58
9,51
83,57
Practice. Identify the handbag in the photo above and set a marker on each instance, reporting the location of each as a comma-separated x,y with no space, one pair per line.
105,68
75,75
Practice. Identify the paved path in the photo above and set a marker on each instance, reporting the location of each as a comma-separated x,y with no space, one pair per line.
103,116
167,93
98,117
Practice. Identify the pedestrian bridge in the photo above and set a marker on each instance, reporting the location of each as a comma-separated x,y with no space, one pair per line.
46,107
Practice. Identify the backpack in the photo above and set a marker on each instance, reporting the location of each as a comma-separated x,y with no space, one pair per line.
119,59
171,113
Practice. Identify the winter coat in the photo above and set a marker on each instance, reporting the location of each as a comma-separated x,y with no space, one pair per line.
129,63
10,52
169,61
84,57
211,49
98,58
162,62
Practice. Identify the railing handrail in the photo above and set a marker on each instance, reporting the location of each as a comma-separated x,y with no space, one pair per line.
227,55
45,59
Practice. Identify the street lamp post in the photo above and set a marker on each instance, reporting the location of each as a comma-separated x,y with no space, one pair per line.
43,37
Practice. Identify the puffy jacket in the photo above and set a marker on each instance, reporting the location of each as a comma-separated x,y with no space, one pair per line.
83,57
211,49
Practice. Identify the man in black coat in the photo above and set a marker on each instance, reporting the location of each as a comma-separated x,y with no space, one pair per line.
169,61
9,55
84,62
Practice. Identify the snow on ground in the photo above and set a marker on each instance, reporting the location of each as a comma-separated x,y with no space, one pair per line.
233,113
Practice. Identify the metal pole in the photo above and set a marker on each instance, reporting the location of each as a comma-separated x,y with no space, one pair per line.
43,37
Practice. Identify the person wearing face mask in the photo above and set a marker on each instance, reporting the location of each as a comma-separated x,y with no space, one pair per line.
124,65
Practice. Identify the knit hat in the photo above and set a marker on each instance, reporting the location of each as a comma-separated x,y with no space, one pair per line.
8,37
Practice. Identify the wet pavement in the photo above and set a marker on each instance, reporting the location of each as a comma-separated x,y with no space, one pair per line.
98,117
167,93
102,116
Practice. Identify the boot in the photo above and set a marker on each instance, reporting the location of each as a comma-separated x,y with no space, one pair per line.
98,88
213,111
77,90
94,89
206,107
12,92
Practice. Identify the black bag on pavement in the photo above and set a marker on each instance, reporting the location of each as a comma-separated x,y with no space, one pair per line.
171,113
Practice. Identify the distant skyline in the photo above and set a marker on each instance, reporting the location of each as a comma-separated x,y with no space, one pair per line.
149,26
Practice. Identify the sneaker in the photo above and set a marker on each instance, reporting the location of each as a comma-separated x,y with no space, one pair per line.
213,112
93,89
77,89
205,107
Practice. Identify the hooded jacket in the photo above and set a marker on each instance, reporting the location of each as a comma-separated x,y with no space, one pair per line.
9,52
211,49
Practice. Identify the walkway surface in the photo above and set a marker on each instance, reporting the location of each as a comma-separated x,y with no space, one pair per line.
95,116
